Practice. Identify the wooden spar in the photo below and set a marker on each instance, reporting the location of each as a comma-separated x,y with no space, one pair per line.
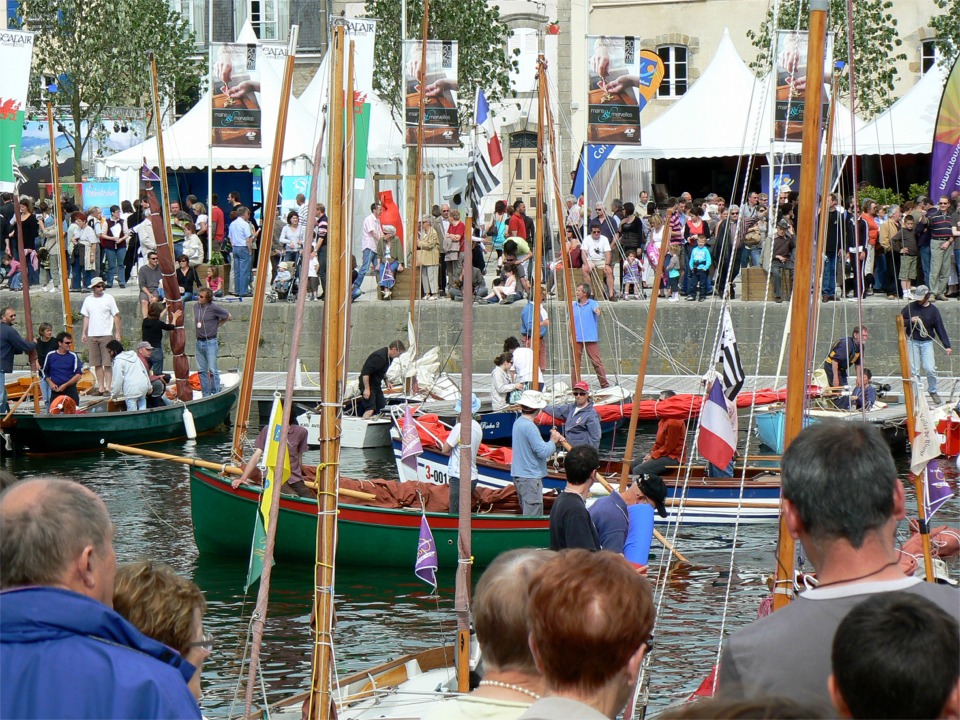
335,289
644,358
193,462
25,286
263,258
58,214
797,369
562,229
535,339
270,204
464,539
413,228
346,208
908,400
160,222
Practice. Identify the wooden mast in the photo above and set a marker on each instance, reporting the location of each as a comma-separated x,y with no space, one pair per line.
335,294
58,214
908,400
270,203
25,286
413,228
263,258
797,369
535,340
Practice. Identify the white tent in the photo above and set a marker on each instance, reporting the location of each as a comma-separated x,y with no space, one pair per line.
906,126
186,142
726,113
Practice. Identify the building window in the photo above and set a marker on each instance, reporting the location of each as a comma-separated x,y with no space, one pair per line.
194,12
270,18
674,71
928,54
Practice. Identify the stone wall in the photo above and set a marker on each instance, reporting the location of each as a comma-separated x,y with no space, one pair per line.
685,328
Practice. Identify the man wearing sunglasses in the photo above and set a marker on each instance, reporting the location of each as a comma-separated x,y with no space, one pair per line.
11,343
581,423
62,369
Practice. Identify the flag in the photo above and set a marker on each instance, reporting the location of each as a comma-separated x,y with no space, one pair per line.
718,435
409,441
426,566
729,356
272,449
18,177
147,175
936,489
482,177
925,445
596,156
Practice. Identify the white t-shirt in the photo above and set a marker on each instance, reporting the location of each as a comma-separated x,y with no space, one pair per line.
523,364
595,249
313,268
453,439
101,311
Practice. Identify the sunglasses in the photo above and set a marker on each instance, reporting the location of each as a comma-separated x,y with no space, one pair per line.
99,285
580,393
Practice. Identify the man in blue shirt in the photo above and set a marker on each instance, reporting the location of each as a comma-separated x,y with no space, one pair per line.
530,452
581,423
845,352
62,369
610,516
242,236
586,315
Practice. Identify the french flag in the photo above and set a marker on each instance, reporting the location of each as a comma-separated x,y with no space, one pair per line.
718,431
485,121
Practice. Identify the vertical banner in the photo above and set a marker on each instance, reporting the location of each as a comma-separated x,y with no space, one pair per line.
791,75
235,96
16,54
290,187
363,32
621,79
441,126
945,159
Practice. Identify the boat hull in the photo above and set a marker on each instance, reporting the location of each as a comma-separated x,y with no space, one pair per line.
498,426
770,425
367,536
89,432
355,432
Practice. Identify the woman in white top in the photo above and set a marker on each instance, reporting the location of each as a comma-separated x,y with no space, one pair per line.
291,237
200,210
89,249
504,382
192,245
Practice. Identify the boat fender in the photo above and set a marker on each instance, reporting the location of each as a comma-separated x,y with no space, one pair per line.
188,424
63,405
636,549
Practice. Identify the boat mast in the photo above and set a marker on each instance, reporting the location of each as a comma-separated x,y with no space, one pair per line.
270,203
160,222
335,289
541,216
263,258
908,401
58,214
25,286
797,369
414,225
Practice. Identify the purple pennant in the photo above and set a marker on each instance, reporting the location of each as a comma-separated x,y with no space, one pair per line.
409,441
937,490
426,567
148,175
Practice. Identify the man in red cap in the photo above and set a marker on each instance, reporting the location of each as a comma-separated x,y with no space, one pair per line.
581,423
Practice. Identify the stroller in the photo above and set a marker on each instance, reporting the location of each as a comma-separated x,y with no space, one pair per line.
286,283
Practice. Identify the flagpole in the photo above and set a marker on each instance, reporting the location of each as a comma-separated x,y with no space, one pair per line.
25,280
58,210
908,400
415,225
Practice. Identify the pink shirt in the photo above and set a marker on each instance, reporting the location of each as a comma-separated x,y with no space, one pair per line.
370,233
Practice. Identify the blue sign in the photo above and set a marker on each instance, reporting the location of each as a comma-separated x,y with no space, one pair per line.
596,156
101,195
290,187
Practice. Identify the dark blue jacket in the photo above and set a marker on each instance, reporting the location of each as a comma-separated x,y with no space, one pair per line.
11,344
579,428
67,655
930,323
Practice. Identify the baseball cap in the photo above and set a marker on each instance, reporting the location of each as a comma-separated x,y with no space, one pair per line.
581,386
144,345
474,405
654,488
921,292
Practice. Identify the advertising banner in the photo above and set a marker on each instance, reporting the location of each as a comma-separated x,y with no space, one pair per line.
16,54
290,187
235,96
791,75
101,194
363,32
441,125
622,78
945,158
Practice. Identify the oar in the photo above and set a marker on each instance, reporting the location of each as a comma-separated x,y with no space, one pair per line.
656,533
207,465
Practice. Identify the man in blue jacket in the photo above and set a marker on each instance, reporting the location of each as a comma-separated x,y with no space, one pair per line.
581,423
528,466
65,652
11,343
922,321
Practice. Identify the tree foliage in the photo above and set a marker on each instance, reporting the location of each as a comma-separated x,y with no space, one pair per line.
875,46
99,51
947,29
482,47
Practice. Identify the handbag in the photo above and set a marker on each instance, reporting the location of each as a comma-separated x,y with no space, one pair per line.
576,258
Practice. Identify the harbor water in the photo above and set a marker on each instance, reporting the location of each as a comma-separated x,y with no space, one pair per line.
383,613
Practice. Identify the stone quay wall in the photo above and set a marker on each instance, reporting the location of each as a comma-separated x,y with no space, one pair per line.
686,331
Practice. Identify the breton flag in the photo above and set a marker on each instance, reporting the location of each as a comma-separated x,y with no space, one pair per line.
925,445
272,449
729,356
18,177
426,565
481,175
409,441
718,428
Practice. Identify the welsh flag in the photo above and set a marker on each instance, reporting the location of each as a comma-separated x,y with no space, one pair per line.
272,449
16,54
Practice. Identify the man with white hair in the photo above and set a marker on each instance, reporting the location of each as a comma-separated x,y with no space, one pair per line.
573,219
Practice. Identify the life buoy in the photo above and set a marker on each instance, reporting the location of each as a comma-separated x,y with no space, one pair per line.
63,405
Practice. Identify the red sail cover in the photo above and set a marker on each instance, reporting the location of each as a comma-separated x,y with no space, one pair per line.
945,158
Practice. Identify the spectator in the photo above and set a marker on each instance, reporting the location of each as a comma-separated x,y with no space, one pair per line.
57,569
242,238
187,278
597,604
896,655
503,382
842,500
586,313
208,317
370,234
526,331
428,259
522,361
149,278
581,423
389,260
570,523
530,452
781,266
